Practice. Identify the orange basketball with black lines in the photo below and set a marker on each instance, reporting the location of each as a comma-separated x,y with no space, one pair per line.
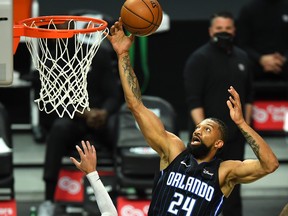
141,17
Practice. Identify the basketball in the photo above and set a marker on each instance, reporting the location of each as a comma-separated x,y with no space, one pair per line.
141,17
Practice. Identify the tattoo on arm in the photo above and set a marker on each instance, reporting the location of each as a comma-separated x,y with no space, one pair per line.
131,77
252,143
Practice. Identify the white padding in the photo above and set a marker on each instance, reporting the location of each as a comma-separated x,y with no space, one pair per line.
165,24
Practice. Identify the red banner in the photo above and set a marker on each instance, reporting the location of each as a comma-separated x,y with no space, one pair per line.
127,207
70,186
269,115
8,208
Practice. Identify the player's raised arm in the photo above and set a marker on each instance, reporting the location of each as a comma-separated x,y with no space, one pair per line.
250,170
88,164
151,126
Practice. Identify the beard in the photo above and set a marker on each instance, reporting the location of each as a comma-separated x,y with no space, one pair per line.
199,151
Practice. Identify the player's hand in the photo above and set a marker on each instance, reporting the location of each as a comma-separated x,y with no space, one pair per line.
88,158
120,42
234,105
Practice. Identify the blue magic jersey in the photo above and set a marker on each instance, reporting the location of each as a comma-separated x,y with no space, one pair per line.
187,188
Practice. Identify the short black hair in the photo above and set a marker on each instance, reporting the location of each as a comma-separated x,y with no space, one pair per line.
223,128
223,14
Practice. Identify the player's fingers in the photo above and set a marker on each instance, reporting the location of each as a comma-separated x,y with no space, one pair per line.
120,24
74,161
88,146
234,93
84,147
231,99
229,104
116,26
232,102
120,21
80,152
112,30
93,149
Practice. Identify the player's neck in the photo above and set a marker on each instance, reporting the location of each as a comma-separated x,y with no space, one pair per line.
208,158
204,160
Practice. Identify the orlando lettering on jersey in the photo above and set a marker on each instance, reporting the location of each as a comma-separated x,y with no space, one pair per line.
187,188
191,184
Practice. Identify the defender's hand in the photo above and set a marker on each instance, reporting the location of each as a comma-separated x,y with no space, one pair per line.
88,158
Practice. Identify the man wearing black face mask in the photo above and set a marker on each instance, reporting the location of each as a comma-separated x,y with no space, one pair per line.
208,71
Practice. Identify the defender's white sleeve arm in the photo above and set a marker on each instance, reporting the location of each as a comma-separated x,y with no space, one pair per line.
103,199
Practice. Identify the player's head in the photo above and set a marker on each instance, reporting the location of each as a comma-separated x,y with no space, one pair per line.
222,22
209,136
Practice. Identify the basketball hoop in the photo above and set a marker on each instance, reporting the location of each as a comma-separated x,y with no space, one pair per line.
62,49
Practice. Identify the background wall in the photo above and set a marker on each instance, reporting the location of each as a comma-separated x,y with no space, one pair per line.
177,9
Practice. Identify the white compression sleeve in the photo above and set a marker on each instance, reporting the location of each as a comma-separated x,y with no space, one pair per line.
103,199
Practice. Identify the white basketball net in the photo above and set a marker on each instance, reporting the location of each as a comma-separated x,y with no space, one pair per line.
63,68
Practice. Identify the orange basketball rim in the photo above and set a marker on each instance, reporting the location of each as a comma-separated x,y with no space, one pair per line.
63,89
38,27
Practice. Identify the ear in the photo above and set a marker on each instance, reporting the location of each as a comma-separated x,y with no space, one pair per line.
219,144
210,32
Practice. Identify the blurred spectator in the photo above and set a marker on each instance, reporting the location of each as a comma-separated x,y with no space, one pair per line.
262,31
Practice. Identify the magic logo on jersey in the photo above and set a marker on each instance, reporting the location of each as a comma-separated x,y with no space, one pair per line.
191,184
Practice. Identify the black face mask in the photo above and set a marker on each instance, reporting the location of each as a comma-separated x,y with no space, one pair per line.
198,151
223,40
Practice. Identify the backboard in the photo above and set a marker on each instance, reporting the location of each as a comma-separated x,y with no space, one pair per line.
6,42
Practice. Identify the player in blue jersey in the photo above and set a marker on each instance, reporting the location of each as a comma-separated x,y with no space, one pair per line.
192,181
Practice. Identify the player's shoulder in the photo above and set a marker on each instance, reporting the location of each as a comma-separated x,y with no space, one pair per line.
176,144
176,141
